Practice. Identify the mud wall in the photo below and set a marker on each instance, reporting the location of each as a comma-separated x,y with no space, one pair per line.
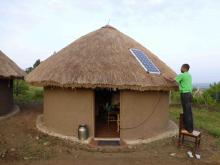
143,114
66,109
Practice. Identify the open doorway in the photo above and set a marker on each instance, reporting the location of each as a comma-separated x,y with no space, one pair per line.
107,113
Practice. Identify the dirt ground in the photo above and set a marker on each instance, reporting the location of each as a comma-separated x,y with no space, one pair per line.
22,144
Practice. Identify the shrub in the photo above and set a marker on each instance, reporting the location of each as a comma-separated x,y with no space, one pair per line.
214,91
175,97
199,98
26,93
204,99
38,94
20,87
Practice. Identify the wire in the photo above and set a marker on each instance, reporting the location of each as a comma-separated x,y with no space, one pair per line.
148,117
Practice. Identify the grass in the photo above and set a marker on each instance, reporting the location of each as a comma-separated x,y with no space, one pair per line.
203,119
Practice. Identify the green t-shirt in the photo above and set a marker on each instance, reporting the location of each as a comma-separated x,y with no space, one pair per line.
185,82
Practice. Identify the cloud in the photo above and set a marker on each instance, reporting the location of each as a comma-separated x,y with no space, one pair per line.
178,31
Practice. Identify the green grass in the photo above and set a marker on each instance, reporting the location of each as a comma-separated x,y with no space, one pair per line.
203,119
32,94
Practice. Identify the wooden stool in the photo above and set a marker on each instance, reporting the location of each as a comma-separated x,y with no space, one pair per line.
196,135
112,117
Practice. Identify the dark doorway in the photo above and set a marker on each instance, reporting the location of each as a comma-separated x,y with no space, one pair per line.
107,113
6,96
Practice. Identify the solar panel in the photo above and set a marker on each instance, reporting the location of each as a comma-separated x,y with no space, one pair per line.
145,62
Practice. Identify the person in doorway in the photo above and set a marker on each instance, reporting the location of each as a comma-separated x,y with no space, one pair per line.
185,87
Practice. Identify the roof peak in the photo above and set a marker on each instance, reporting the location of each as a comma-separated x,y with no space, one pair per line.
109,26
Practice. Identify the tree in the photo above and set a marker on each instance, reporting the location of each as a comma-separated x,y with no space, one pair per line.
37,62
29,69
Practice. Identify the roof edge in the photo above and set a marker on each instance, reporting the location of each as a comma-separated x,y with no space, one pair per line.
11,77
108,86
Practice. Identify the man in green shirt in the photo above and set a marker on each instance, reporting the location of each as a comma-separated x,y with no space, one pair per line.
185,87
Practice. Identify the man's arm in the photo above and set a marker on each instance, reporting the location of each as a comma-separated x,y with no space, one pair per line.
179,78
168,78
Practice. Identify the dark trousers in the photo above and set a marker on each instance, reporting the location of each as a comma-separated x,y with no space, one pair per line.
186,100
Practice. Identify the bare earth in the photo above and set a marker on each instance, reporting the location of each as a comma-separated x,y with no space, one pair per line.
22,144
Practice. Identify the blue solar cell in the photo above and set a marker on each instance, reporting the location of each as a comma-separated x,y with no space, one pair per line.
145,62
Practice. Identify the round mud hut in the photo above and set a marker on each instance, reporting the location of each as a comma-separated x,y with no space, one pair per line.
8,72
109,82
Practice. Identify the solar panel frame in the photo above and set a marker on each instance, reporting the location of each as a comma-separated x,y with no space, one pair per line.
132,50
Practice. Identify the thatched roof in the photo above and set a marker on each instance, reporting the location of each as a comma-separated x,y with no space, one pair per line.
101,59
8,69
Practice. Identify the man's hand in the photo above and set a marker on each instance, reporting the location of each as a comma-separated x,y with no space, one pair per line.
168,78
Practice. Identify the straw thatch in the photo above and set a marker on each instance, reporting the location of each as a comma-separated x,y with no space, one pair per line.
100,59
8,69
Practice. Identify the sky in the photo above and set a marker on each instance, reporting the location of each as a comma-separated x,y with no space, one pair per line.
186,31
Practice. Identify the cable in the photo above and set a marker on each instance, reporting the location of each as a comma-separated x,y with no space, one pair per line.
148,117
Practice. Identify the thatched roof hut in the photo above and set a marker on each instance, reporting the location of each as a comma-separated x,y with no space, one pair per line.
8,71
97,68
100,59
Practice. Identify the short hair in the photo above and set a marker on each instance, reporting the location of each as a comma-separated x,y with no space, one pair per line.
186,66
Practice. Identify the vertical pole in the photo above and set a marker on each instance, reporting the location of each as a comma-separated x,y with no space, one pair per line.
170,97
16,87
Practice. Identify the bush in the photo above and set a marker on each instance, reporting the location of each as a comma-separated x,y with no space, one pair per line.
20,87
38,94
200,97
214,91
175,97
26,93
204,99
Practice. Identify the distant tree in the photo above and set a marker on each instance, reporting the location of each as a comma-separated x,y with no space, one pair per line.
29,69
37,62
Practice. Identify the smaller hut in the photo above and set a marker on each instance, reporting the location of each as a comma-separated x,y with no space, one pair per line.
8,72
